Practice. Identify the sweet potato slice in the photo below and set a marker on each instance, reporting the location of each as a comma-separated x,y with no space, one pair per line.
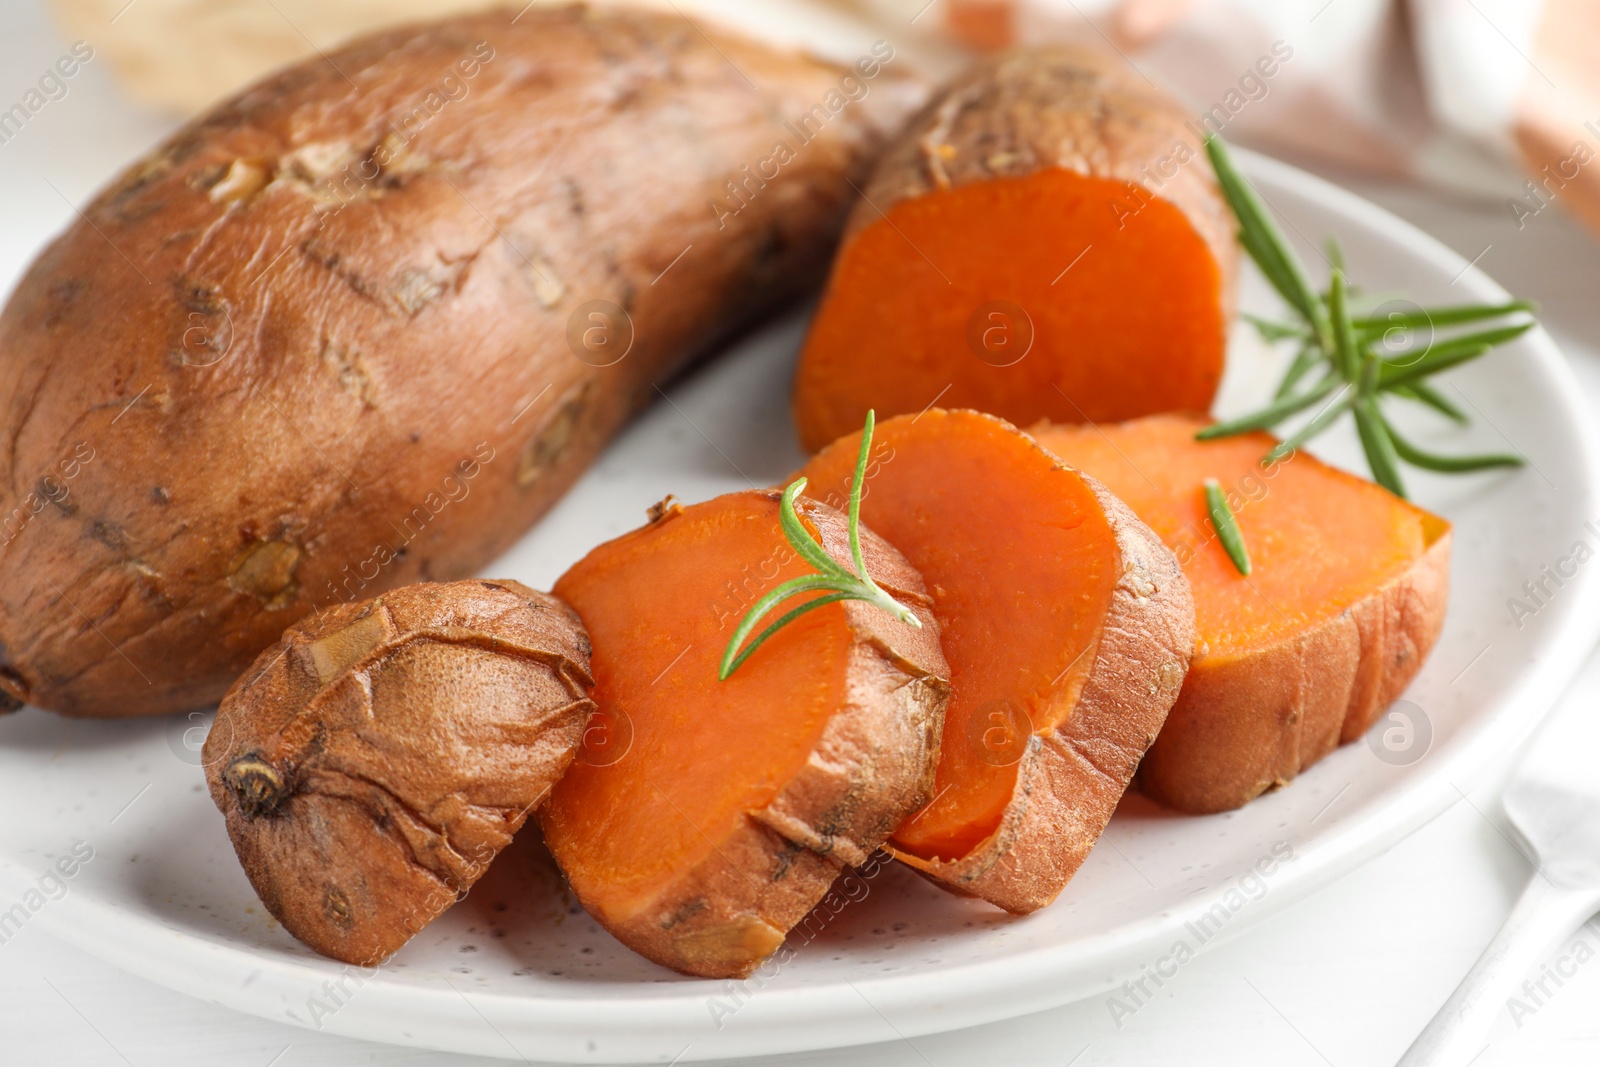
726,809
1068,627
1044,240
1345,598
373,762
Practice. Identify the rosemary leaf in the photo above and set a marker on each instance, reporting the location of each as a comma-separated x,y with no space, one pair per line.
1335,254
1423,393
1268,256
1378,445
1308,356
1441,358
1322,421
1272,414
1368,378
1345,355
729,666
1274,331
1454,315
1462,342
810,583
832,579
1264,243
1227,527
799,537
1450,464
855,494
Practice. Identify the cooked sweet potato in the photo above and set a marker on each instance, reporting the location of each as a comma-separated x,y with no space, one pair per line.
738,802
1068,627
362,324
373,762
1345,598
1044,240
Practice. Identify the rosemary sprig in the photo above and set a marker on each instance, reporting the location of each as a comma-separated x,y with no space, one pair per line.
833,580
1330,336
1227,527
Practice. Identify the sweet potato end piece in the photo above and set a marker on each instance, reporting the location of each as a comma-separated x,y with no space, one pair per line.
373,764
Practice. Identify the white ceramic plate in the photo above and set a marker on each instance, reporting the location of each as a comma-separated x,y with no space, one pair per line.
518,970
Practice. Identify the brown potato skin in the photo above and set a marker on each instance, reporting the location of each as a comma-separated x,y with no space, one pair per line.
1252,725
872,768
284,371
1070,781
1080,109
399,743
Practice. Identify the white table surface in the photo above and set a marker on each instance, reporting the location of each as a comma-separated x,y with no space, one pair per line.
1345,977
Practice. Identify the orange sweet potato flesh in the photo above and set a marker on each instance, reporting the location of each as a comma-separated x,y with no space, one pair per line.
1055,604
730,807
1345,598
1044,241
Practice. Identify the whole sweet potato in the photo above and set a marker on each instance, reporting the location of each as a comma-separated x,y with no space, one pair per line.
362,324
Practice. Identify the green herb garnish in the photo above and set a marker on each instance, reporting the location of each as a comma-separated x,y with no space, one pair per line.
1227,526
1335,350
833,580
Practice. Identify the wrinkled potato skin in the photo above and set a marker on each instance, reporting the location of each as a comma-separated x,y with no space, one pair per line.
373,762
301,386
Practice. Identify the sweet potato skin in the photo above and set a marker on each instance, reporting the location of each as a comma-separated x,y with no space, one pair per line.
1254,723
1078,110
321,342
374,762
872,767
1070,780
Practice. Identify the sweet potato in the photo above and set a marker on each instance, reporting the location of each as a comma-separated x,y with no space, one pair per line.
1345,598
373,762
1044,240
735,804
1068,627
362,324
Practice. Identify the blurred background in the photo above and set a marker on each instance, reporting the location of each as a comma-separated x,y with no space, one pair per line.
1478,120
1479,96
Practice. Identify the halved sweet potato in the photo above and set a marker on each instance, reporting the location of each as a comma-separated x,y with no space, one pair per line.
1044,240
1345,598
730,807
1068,627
